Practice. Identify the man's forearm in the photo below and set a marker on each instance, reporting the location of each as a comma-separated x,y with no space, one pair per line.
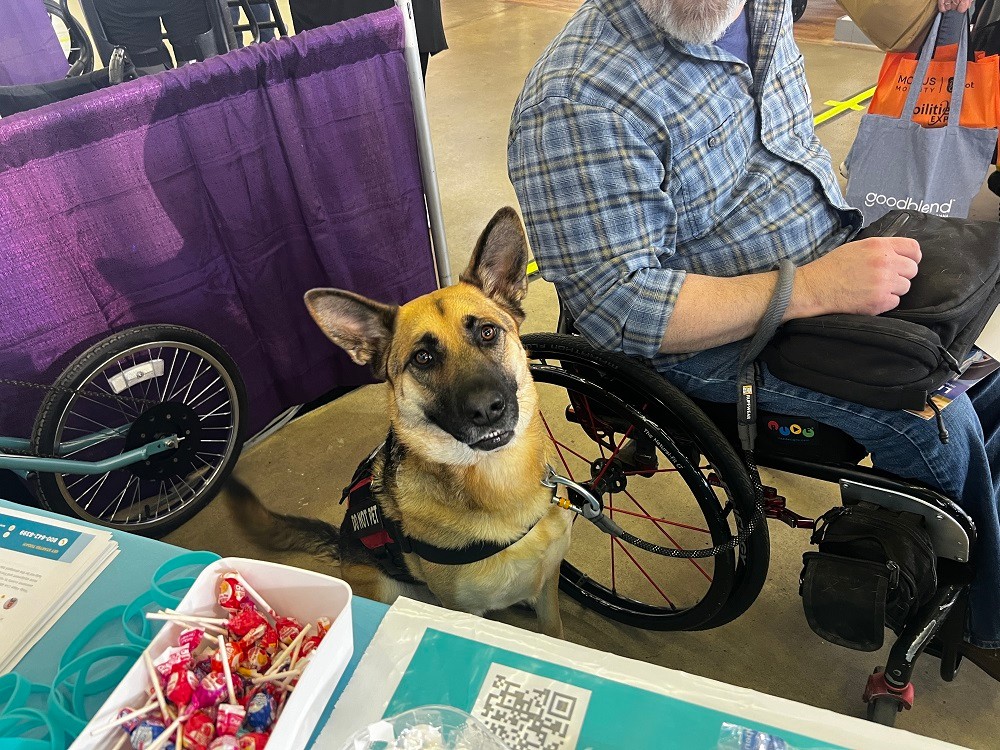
712,311
866,277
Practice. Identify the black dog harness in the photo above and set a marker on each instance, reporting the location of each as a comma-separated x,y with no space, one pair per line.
384,538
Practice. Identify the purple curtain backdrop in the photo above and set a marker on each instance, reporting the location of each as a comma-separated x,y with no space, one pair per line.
214,196
29,49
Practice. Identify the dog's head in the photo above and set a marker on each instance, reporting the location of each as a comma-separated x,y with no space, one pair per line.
460,386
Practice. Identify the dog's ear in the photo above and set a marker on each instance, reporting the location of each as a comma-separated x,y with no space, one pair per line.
499,262
361,327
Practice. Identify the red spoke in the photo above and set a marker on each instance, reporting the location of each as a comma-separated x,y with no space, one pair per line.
667,535
645,517
641,570
570,450
556,444
593,425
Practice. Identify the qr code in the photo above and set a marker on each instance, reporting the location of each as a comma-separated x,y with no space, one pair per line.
529,712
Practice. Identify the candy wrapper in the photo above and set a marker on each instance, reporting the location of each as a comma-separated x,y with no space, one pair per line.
232,594
210,690
287,628
199,731
180,686
228,742
143,735
254,741
178,656
229,719
244,621
260,711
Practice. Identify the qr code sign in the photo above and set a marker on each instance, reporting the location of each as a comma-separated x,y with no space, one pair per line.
529,712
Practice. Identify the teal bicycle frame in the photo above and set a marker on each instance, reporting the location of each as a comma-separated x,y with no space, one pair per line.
23,465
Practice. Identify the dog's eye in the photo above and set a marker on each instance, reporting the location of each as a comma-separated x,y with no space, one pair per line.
423,358
488,333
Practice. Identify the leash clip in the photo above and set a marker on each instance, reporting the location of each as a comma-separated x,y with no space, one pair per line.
591,509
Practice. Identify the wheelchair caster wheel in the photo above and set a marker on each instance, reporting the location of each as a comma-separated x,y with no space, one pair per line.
884,709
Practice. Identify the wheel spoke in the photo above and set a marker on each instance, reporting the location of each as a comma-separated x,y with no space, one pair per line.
646,517
644,573
667,535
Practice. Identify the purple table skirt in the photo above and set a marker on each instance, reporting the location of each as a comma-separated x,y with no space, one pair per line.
214,196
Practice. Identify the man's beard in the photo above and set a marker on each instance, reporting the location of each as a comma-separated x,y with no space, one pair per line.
692,21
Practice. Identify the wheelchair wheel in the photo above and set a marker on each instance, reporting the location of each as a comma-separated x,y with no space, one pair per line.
664,474
73,38
133,388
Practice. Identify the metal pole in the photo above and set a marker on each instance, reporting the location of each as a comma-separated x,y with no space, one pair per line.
425,148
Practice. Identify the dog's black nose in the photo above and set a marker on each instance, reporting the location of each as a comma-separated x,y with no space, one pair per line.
484,407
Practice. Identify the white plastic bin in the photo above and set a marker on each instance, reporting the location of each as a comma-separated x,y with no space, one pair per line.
292,592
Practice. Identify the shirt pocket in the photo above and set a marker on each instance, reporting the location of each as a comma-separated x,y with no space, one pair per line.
792,106
707,172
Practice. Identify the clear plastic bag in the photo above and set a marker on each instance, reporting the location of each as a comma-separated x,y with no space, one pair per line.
735,737
426,728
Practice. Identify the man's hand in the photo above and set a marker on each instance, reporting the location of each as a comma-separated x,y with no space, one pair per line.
866,277
960,5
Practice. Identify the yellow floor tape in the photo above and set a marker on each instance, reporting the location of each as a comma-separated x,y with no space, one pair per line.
857,103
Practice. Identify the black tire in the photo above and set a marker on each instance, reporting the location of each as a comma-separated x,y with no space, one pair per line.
884,710
80,54
798,8
621,398
190,365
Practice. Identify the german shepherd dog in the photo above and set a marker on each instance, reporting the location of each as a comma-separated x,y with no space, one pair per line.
470,449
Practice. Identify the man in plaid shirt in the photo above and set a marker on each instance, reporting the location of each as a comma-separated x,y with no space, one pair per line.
665,160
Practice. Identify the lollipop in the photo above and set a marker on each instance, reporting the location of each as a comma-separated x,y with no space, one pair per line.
209,691
180,686
287,628
254,741
260,711
232,594
145,733
199,730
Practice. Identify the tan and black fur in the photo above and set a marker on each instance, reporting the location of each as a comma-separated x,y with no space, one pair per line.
471,449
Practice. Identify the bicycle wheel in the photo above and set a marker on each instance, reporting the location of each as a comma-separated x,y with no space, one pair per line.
73,37
664,473
133,388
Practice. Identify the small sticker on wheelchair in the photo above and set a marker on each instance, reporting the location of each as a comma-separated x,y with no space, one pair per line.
135,375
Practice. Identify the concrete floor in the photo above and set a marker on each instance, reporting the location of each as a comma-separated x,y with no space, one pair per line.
301,469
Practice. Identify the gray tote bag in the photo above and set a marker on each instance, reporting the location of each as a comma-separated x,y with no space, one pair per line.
896,163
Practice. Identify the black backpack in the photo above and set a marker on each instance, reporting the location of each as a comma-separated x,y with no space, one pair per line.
897,359
875,568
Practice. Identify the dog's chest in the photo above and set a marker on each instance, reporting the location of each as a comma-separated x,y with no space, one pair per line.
514,575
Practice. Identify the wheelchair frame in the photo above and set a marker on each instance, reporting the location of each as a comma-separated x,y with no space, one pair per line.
937,628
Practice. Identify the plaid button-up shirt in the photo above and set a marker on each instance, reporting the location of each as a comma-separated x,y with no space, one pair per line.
637,158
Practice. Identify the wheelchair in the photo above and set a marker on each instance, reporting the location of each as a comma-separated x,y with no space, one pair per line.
76,43
138,433
667,468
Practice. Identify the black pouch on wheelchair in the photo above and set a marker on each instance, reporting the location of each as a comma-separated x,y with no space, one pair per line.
875,568
897,359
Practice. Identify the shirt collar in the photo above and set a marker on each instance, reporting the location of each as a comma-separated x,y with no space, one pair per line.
765,24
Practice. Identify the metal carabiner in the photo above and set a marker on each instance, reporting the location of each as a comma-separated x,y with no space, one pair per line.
592,510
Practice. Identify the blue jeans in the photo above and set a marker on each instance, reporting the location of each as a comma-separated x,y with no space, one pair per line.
967,469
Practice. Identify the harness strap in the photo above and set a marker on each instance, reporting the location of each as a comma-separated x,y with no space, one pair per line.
463,556
384,538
